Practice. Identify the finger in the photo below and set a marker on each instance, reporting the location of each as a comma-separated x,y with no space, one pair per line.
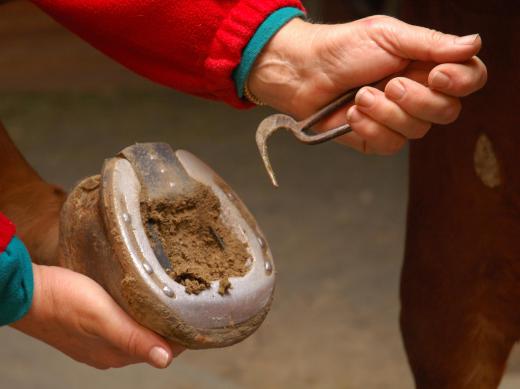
356,142
373,103
114,361
133,339
458,79
140,342
419,43
352,139
106,357
116,358
422,102
379,139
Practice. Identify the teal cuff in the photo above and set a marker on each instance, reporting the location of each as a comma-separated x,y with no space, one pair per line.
263,34
16,282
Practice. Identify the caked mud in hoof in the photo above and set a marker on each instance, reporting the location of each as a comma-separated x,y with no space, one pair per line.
172,244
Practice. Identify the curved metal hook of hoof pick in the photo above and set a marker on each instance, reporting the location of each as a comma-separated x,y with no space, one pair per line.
276,122
266,128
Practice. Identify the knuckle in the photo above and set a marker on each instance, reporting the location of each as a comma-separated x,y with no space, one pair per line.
435,35
433,40
383,28
378,21
132,342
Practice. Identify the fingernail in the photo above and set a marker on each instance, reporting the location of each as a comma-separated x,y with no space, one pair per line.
440,80
466,40
159,357
395,90
365,98
353,115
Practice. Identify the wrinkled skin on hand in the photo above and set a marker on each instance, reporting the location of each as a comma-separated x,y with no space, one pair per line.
424,73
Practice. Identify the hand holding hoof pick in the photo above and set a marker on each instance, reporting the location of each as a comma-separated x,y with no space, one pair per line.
306,66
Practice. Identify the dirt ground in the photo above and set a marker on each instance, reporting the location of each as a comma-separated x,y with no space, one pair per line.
336,224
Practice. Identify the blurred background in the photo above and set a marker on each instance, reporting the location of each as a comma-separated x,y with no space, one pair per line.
335,226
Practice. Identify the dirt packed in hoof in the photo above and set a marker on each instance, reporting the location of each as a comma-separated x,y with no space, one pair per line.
198,246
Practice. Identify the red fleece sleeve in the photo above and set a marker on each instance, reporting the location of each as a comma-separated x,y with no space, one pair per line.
189,45
7,231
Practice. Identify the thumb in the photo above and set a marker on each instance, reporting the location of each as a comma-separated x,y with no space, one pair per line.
423,44
137,341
